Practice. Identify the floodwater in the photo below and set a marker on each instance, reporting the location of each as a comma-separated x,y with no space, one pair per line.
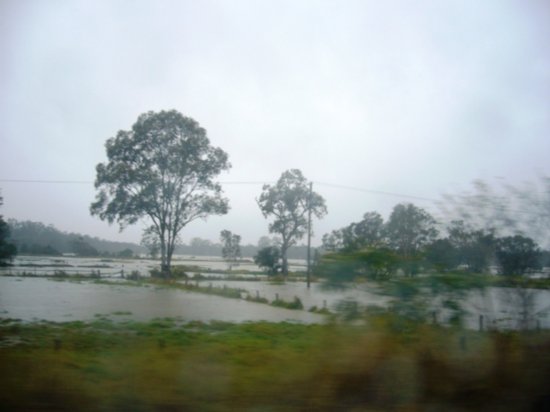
32,299
502,308
508,308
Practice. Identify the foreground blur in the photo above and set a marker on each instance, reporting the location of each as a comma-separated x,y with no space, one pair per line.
389,363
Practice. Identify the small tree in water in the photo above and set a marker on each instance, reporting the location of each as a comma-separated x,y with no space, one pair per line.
231,248
268,258
161,170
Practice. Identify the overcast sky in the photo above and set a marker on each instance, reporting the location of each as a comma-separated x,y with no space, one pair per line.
414,98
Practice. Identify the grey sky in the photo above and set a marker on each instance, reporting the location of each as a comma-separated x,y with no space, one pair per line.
416,98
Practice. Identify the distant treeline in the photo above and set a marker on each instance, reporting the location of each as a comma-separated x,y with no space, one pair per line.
204,247
36,238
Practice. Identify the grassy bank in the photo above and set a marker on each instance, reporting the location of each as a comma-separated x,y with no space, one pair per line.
390,364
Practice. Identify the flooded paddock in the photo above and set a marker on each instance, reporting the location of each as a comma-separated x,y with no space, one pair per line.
32,299
115,267
38,297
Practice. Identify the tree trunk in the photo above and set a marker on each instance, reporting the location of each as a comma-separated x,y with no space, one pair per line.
284,249
164,262
167,271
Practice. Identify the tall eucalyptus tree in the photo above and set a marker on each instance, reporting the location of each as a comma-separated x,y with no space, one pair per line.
162,170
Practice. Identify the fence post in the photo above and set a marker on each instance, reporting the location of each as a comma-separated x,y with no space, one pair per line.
480,323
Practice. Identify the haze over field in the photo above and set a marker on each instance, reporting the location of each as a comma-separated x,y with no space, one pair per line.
409,98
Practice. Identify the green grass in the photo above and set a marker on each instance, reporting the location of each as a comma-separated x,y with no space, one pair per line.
169,365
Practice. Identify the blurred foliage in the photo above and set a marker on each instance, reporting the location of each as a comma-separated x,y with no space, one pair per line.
390,364
409,241
374,263
503,207
419,298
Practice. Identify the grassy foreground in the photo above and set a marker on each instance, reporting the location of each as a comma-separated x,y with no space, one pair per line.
164,365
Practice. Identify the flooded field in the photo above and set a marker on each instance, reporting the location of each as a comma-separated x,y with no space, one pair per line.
31,298
47,299
45,265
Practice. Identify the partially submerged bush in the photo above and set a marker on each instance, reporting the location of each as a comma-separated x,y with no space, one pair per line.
134,275
295,304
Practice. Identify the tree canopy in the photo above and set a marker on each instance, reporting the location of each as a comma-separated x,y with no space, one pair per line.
163,170
409,228
369,232
288,203
517,254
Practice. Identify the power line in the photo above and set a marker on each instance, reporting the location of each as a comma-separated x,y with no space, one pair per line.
237,182
260,182
252,182
46,181
377,192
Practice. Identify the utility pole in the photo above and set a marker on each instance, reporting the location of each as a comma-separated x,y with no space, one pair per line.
309,234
